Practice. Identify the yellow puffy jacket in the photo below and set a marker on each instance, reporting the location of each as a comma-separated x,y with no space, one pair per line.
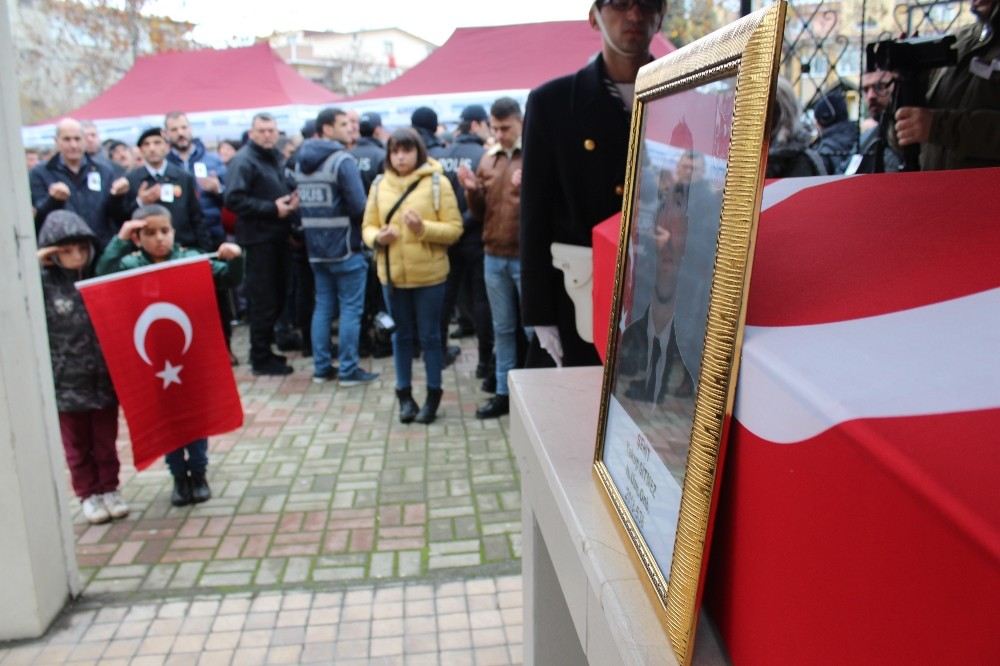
414,260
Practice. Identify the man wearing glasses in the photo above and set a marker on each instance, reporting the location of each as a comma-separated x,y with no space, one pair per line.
575,147
877,89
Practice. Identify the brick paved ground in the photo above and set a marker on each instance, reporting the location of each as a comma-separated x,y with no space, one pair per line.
321,487
475,622
335,534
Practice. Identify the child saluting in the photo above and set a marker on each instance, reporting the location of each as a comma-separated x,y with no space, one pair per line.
85,398
148,238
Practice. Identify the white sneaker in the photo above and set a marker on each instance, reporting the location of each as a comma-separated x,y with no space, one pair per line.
115,505
95,511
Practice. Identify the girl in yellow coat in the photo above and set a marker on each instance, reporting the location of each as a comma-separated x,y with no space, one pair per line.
411,218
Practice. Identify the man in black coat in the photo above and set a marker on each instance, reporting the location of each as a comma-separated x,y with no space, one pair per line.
575,148
161,182
73,181
263,196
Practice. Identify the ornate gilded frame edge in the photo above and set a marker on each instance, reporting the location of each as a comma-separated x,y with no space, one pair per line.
750,48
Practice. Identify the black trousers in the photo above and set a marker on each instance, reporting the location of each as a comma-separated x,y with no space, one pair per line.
268,266
466,271
300,299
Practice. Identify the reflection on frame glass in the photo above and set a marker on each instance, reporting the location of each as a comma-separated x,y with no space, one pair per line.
694,178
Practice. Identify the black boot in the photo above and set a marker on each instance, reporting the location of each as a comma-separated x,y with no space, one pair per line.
407,405
429,411
496,406
181,496
200,492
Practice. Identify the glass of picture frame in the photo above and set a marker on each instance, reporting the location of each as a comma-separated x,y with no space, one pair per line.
695,172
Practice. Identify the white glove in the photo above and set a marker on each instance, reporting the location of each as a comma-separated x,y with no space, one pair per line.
548,339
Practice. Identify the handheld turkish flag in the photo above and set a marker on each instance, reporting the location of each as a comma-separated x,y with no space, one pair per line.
160,333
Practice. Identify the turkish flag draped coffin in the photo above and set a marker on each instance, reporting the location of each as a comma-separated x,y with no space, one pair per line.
160,334
859,515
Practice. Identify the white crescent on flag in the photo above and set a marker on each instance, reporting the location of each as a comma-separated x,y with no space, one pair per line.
154,312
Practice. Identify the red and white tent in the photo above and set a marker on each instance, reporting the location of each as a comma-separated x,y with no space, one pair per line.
219,89
477,65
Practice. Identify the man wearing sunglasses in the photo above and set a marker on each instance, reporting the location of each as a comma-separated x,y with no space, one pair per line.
575,145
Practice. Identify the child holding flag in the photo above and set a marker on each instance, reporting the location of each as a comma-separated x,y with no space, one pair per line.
146,239
85,398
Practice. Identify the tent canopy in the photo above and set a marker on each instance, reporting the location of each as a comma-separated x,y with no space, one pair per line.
507,57
205,80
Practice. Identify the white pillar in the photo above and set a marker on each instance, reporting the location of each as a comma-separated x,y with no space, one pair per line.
38,570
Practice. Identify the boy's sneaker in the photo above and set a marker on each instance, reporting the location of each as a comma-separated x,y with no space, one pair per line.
357,377
115,504
272,367
326,376
94,510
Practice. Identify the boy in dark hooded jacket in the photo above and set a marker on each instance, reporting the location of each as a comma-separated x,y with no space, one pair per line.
85,398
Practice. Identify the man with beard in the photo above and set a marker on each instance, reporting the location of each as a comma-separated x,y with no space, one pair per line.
209,172
876,87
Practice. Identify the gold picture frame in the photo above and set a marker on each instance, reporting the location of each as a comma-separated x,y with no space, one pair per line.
687,232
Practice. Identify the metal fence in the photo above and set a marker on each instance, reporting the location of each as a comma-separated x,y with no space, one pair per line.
825,39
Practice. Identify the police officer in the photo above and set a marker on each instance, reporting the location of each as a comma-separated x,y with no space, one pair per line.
575,148
332,202
370,148
466,256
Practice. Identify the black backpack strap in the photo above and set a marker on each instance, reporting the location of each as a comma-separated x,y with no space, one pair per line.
392,211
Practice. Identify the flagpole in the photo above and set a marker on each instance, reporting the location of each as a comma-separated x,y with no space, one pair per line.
163,265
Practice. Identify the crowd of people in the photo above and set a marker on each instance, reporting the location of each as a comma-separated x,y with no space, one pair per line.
393,235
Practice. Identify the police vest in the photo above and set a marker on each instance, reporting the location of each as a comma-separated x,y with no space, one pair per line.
326,228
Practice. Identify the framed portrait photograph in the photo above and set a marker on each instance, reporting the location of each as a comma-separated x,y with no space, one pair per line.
700,129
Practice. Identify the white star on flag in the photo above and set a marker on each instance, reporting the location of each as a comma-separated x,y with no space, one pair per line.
171,374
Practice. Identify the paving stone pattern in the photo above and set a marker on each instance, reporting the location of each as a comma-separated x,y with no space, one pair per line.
321,487
472,622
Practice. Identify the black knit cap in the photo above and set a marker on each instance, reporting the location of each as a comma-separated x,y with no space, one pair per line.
425,118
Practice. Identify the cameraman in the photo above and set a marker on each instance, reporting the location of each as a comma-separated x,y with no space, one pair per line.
960,128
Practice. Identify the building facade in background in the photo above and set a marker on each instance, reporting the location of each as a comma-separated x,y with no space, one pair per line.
351,62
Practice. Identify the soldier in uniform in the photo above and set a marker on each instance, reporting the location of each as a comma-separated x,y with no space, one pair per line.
575,148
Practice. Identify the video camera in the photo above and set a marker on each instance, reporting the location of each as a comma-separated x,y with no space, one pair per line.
909,59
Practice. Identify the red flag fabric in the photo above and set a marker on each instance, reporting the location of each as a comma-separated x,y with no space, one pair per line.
160,334
859,520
